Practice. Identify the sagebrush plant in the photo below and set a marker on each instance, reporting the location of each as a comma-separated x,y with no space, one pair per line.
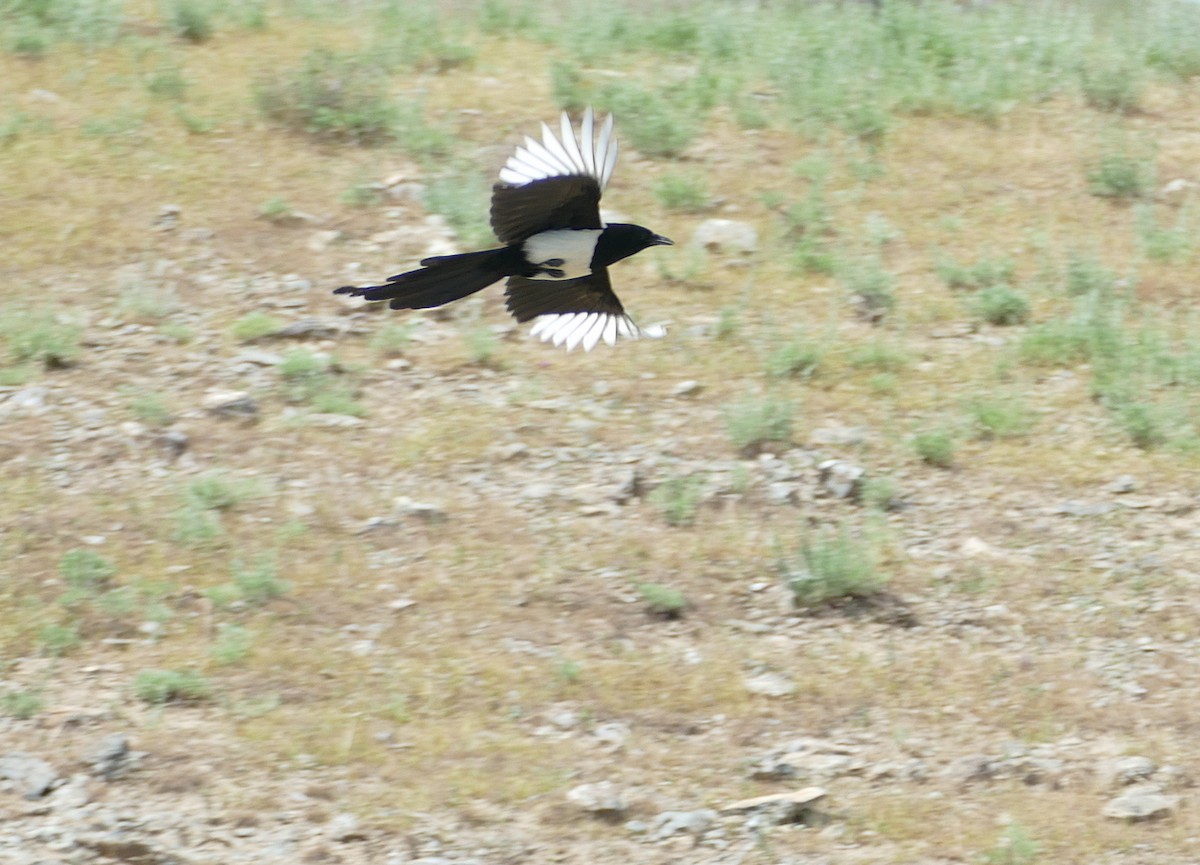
85,571
319,382
678,498
254,325
865,277
656,123
152,409
275,209
683,192
461,196
1121,170
1113,82
935,447
798,357
830,564
984,273
39,335
55,639
21,704
755,423
1086,274
233,644
1170,244
1001,305
664,601
392,339
880,355
218,491
258,581
171,686
190,20
147,304
482,344
1000,417
331,95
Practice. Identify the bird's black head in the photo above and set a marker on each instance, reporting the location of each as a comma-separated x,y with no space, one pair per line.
620,240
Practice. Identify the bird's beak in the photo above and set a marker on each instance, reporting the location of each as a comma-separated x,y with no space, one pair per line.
659,240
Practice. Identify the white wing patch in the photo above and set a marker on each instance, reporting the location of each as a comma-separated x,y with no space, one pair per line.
588,328
567,251
592,154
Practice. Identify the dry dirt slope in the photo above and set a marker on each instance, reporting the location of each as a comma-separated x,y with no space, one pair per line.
396,582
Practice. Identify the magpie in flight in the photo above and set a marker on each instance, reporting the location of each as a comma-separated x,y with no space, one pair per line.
556,253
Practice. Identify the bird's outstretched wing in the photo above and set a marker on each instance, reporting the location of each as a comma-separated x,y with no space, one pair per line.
573,312
555,183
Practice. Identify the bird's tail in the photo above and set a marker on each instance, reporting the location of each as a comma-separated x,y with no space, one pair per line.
440,280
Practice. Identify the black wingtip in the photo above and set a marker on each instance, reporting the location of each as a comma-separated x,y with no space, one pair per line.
348,289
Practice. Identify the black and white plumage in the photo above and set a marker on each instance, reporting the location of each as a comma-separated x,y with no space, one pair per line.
557,251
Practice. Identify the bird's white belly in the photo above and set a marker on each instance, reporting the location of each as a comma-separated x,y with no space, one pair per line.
567,252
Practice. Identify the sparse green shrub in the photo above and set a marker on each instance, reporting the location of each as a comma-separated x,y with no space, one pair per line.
1173,244
217,491
662,600
391,340
21,704
167,82
1015,847
276,210
259,582
831,565
254,325
196,526
658,124
147,304
681,192
417,137
809,222
1145,423
189,19
86,572
983,273
999,418
1086,275
753,424
866,278
57,639
362,195
1001,305
883,383
461,197
232,645
567,84
879,355
152,409
878,493
158,687
728,323
38,336
311,379
331,95
1119,173
796,358
1112,84
935,447
481,343
677,499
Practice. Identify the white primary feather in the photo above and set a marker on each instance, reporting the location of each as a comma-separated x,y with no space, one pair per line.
592,153
589,328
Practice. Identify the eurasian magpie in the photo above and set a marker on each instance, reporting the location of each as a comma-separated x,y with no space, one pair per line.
556,253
